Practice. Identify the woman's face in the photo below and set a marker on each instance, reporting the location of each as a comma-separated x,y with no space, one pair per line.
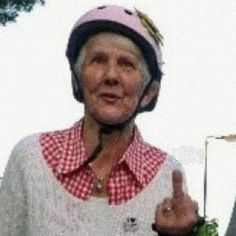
111,79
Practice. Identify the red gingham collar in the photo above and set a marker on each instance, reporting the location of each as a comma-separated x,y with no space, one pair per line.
73,153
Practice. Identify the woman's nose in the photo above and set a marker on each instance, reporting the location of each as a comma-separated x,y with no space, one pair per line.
111,76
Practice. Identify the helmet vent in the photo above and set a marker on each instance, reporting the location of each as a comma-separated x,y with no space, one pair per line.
128,12
101,7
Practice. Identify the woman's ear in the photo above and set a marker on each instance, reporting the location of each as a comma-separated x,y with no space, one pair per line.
151,93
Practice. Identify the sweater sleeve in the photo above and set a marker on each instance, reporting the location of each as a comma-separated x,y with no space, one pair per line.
12,196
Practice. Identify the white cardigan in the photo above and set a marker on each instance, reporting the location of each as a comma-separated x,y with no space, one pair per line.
34,203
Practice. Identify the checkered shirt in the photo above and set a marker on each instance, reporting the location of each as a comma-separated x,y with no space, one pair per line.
65,154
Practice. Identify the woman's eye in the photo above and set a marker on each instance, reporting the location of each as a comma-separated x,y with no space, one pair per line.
128,64
97,59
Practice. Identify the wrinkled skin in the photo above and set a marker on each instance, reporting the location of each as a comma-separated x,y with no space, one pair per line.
112,81
176,215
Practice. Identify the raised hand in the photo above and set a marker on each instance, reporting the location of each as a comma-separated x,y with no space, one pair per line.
176,215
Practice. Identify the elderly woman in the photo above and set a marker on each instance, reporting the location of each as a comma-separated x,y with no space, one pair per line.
99,177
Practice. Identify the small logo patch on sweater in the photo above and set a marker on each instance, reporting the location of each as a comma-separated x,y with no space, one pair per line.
131,224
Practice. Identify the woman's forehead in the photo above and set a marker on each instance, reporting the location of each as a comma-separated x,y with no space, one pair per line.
116,40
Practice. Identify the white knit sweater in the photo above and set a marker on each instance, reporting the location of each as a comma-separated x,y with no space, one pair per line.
34,203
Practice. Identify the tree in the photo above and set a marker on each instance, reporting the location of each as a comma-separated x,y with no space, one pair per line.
10,9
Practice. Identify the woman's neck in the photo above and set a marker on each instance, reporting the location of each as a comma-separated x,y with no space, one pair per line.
114,144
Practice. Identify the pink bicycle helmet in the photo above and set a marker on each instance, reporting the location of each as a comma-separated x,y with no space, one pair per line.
132,24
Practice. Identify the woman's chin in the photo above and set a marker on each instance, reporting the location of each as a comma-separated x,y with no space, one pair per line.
112,119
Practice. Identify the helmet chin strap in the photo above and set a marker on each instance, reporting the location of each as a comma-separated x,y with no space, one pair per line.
106,129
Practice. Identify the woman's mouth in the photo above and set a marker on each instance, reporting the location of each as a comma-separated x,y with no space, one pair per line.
109,97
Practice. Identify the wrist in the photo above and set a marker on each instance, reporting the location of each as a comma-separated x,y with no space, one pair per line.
192,232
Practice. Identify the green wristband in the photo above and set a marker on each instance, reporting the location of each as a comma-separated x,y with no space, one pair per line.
202,228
